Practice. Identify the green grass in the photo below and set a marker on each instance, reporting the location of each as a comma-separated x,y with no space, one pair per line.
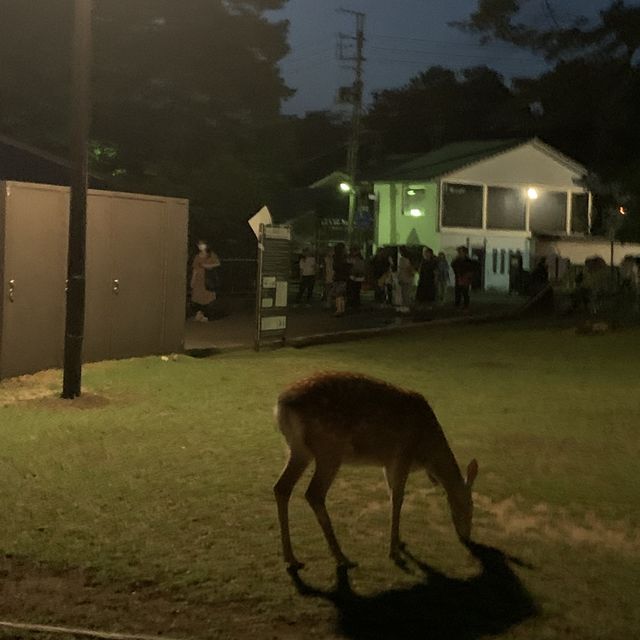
150,508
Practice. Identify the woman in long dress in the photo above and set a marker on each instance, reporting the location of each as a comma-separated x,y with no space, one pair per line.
201,297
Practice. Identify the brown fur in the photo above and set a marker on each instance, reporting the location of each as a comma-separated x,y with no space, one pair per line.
334,418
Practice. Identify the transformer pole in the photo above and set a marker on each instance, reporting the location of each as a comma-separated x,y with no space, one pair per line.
354,95
80,112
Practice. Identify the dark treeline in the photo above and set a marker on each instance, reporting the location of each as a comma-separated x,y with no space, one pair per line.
187,102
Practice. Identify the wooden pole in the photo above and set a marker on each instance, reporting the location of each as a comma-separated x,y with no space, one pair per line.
81,107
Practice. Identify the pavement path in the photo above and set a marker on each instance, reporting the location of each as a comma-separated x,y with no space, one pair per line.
235,328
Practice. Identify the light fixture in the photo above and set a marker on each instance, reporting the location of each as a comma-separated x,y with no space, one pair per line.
532,193
622,211
415,213
411,192
345,187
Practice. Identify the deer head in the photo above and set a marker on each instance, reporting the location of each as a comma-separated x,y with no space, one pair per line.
461,503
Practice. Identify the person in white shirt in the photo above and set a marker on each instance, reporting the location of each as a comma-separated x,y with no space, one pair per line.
307,276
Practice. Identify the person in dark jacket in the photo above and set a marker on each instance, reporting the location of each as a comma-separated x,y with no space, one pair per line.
463,268
426,291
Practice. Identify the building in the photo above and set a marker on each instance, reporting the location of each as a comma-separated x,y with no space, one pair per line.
24,163
496,197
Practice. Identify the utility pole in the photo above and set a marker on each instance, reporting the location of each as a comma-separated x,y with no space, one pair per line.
353,95
81,107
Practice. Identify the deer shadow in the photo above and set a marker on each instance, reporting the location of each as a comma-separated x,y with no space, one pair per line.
437,607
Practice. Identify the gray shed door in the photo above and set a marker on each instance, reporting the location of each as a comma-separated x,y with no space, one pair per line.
36,223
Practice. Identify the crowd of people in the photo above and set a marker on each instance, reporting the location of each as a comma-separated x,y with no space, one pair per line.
396,278
405,281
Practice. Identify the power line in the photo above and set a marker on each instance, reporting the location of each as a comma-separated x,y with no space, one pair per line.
551,13
443,53
426,64
445,42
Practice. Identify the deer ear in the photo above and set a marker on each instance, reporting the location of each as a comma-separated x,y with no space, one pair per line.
472,472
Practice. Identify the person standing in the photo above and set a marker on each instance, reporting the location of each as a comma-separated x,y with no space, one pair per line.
307,276
426,291
380,271
327,294
406,275
356,277
463,269
442,276
341,269
203,275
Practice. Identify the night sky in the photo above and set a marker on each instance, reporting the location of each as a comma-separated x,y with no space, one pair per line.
403,37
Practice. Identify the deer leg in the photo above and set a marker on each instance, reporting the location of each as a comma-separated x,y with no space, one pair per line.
326,470
396,475
294,468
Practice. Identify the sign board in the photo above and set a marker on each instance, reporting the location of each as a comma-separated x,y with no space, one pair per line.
263,217
274,265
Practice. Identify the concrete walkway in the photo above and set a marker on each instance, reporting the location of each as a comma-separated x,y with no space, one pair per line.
235,328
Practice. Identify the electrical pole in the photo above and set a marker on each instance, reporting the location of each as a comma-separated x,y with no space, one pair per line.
353,95
81,107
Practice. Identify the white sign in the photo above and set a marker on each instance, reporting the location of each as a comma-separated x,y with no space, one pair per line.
279,233
275,323
262,217
281,293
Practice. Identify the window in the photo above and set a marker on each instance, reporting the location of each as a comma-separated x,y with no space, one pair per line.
548,213
462,205
414,202
495,260
506,208
579,213
502,260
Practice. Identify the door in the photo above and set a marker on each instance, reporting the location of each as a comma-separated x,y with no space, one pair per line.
138,275
99,288
34,275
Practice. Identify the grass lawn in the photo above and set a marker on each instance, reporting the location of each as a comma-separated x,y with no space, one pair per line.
147,505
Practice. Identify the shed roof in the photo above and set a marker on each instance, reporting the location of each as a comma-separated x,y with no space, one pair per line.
457,155
25,163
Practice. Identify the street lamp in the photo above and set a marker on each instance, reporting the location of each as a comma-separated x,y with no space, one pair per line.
532,193
345,187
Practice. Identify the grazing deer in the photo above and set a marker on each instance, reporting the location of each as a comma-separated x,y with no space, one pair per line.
344,418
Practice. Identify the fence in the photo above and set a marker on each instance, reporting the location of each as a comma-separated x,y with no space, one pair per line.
238,276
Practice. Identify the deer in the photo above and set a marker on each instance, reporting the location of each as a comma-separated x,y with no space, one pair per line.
337,418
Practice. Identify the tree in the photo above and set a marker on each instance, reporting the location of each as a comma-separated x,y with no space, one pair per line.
186,96
440,106
616,35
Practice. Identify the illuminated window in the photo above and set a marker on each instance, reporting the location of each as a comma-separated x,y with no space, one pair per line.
548,214
506,209
414,202
462,205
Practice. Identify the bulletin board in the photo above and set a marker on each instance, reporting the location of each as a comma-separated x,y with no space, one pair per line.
274,267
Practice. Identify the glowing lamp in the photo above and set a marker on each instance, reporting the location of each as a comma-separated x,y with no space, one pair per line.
345,187
415,213
532,193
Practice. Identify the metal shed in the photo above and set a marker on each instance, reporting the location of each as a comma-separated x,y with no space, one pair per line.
136,275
